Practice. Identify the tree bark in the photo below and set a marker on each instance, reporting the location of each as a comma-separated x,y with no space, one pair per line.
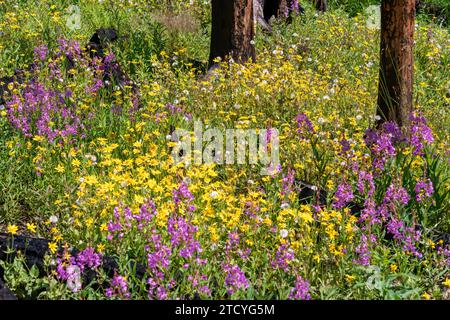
258,15
395,92
232,31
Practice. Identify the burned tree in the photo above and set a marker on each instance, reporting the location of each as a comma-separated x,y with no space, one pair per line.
258,15
232,30
395,92
274,8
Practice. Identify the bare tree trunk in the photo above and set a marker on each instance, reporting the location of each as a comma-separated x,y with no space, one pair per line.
395,92
258,14
279,8
270,9
232,30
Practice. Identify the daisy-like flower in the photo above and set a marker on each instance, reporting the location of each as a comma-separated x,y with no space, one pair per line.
446,282
31,227
52,246
12,229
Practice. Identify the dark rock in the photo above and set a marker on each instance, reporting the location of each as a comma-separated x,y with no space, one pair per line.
34,249
19,77
355,208
96,47
104,35
321,5
100,40
5,293
310,194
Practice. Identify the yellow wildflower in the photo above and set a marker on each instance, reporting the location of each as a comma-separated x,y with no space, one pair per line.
446,282
31,227
12,229
393,267
52,246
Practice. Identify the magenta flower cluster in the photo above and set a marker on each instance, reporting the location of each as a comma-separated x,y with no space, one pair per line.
304,125
235,279
72,269
301,290
423,189
343,196
283,257
118,288
421,134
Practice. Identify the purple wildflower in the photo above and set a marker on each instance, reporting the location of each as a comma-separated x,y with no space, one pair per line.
421,134
345,146
183,235
88,258
40,52
183,193
366,177
118,288
394,131
396,194
68,271
284,256
114,226
369,213
304,125
41,111
173,109
71,49
381,143
343,196
159,258
363,252
445,253
235,279
288,183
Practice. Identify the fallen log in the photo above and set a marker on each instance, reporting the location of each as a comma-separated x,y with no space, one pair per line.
35,249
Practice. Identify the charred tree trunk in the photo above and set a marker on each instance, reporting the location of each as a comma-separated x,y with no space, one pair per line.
272,8
280,9
395,92
232,30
